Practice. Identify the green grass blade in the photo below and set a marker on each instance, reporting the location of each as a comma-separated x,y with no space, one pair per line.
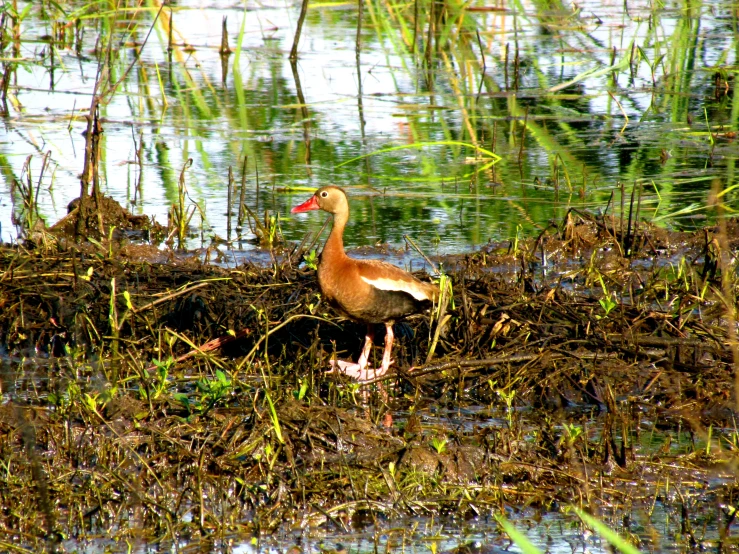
420,145
695,207
607,533
240,39
526,546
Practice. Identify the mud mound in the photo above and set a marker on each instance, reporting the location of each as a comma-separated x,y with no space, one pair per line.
101,218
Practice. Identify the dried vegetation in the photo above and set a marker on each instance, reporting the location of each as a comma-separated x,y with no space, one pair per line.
151,400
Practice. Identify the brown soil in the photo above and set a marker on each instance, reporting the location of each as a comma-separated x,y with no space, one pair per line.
101,438
109,214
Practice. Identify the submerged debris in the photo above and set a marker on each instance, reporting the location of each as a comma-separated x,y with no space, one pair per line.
179,399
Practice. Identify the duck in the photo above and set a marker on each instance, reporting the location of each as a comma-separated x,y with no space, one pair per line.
365,291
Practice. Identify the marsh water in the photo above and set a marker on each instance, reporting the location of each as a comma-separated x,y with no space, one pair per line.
488,127
576,99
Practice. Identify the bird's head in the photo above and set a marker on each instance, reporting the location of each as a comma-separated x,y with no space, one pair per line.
330,199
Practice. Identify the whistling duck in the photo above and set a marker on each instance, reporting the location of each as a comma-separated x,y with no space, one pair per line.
367,291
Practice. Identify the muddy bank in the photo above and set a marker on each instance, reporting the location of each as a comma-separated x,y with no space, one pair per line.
157,399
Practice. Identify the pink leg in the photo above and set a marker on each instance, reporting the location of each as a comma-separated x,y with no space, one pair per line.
357,370
386,361
364,356
360,371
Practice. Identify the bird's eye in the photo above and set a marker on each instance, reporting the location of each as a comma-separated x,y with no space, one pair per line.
324,194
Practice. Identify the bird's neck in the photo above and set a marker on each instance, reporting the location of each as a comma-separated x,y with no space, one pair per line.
335,244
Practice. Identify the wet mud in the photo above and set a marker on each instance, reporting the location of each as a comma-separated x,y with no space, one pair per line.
104,217
153,397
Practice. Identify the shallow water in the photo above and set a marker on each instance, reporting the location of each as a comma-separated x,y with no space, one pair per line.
436,193
185,110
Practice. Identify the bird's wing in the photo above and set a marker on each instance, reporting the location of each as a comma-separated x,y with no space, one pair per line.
385,276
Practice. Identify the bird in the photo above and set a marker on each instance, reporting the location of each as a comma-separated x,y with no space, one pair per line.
365,291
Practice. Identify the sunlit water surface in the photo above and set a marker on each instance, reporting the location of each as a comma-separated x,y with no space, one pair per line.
646,124
579,137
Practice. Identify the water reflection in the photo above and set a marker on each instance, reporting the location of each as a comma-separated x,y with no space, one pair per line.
573,101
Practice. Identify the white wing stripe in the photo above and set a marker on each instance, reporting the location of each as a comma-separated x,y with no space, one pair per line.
400,286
